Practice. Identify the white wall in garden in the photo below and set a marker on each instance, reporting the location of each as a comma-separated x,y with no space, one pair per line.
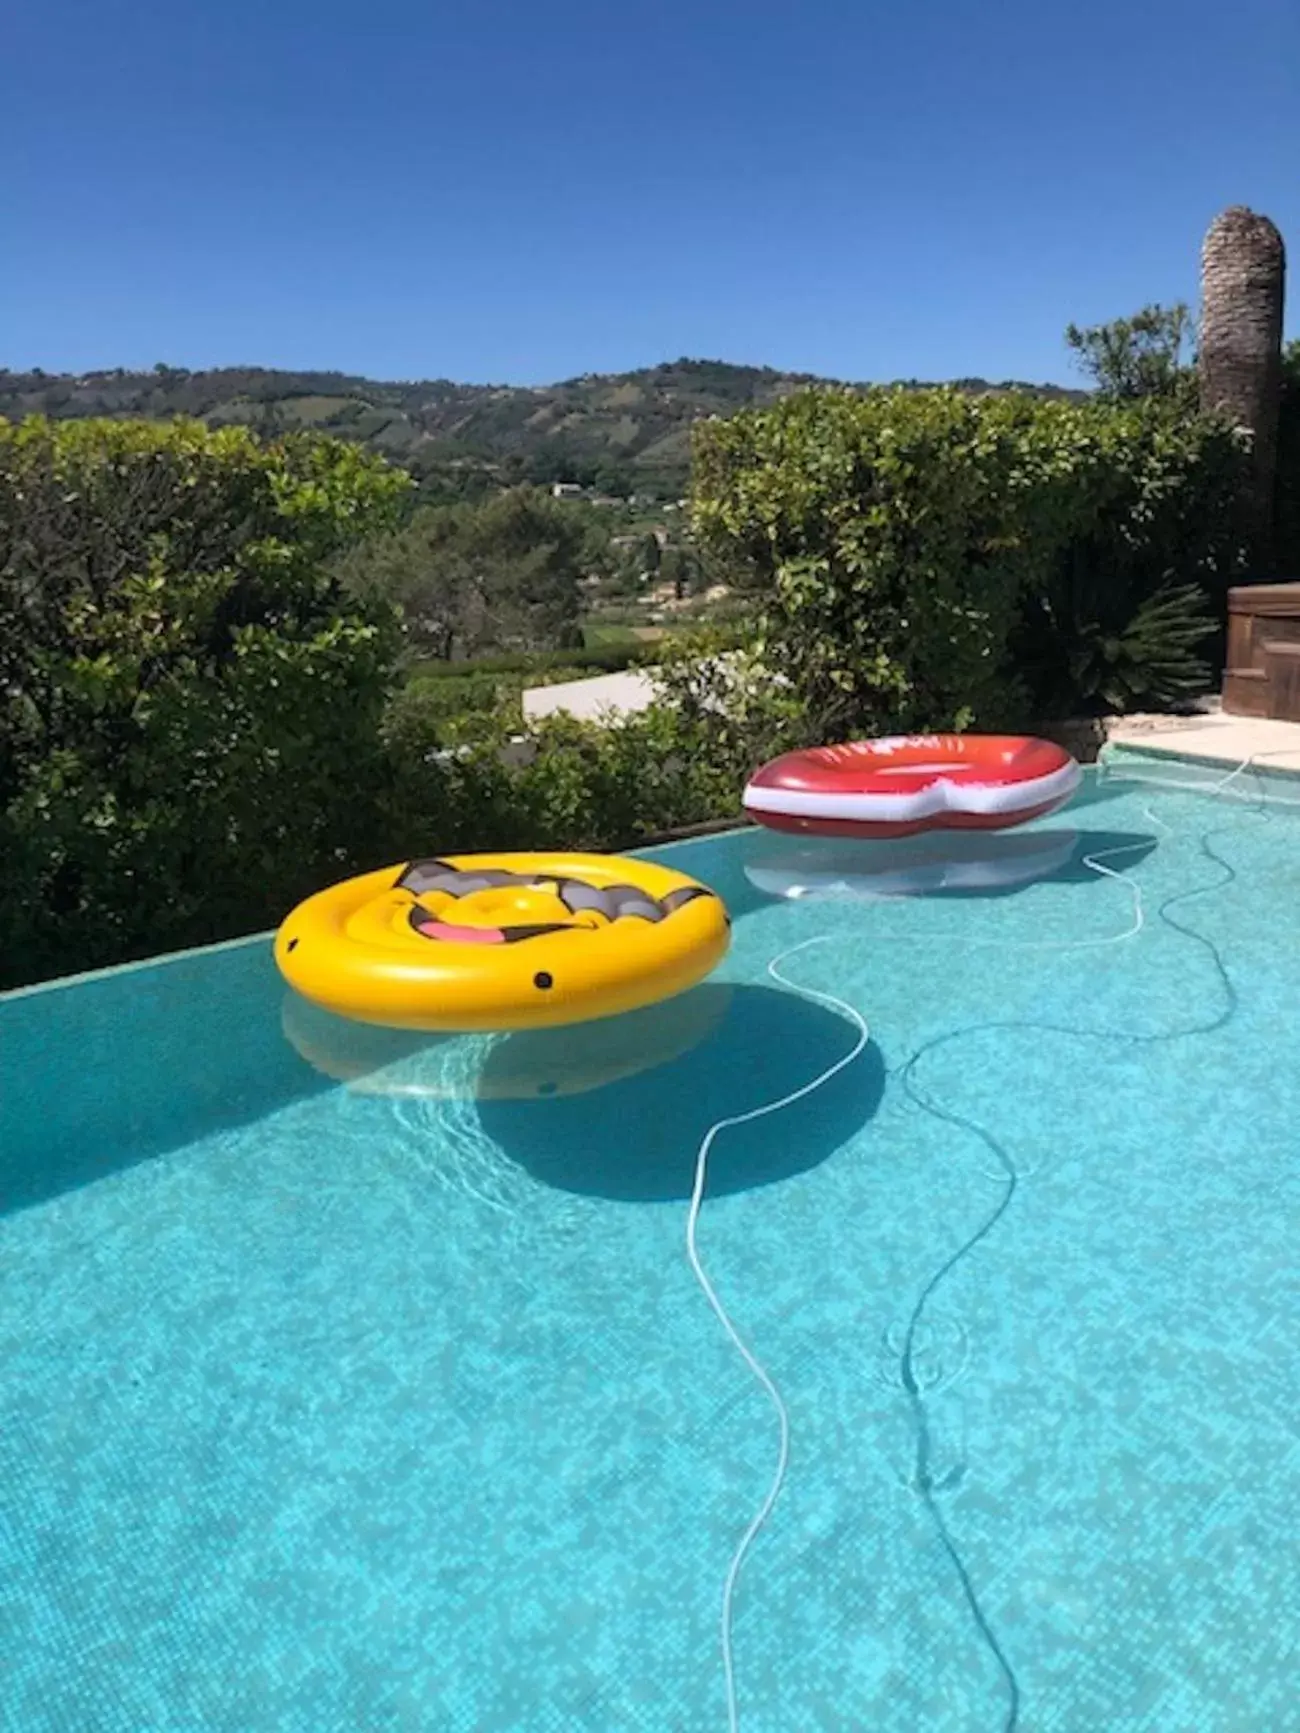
589,700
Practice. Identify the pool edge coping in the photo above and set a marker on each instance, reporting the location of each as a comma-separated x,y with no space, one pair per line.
1203,760
137,963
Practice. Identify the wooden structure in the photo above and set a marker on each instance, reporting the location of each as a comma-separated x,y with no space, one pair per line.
1263,672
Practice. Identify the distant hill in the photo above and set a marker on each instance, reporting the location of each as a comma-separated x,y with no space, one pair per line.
620,432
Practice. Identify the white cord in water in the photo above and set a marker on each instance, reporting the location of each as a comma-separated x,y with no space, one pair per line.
1095,863
711,1295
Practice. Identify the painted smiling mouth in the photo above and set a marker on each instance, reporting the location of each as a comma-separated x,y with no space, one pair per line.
450,933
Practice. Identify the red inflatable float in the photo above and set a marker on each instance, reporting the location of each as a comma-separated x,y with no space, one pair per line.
910,783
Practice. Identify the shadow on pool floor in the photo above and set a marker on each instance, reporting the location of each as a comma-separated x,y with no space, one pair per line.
636,1140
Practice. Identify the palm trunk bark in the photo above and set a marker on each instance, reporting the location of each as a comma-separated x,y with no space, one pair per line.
1243,269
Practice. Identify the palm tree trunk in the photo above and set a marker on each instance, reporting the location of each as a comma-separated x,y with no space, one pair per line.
1243,270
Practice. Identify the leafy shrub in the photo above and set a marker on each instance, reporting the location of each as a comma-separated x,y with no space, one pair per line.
189,705
1129,610
561,783
899,541
572,785
746,713
1089,649
470,699
578,662
427,710
883,539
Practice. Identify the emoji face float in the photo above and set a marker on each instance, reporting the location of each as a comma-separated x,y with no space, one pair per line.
495,942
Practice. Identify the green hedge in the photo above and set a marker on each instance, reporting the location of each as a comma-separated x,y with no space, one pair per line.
569,784
597,659
929,559
200,725
470,703
470,694
189,707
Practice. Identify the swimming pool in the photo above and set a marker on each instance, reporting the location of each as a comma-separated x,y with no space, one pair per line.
395,1402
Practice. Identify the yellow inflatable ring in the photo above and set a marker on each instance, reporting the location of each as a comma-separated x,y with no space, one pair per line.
514,941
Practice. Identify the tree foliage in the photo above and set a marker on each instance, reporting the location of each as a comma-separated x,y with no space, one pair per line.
650,555
1147,355
900,542
681,568
500,574
567,784
189,703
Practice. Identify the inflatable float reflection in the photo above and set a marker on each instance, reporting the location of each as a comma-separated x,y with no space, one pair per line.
527,1065
935,864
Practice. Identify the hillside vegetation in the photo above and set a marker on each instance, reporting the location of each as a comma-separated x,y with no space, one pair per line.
620,432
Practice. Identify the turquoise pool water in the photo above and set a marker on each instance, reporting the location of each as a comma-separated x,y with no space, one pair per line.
395,1404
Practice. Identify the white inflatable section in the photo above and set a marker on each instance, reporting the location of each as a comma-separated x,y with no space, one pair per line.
945,794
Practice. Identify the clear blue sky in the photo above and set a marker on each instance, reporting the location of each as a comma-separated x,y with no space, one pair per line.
493,190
